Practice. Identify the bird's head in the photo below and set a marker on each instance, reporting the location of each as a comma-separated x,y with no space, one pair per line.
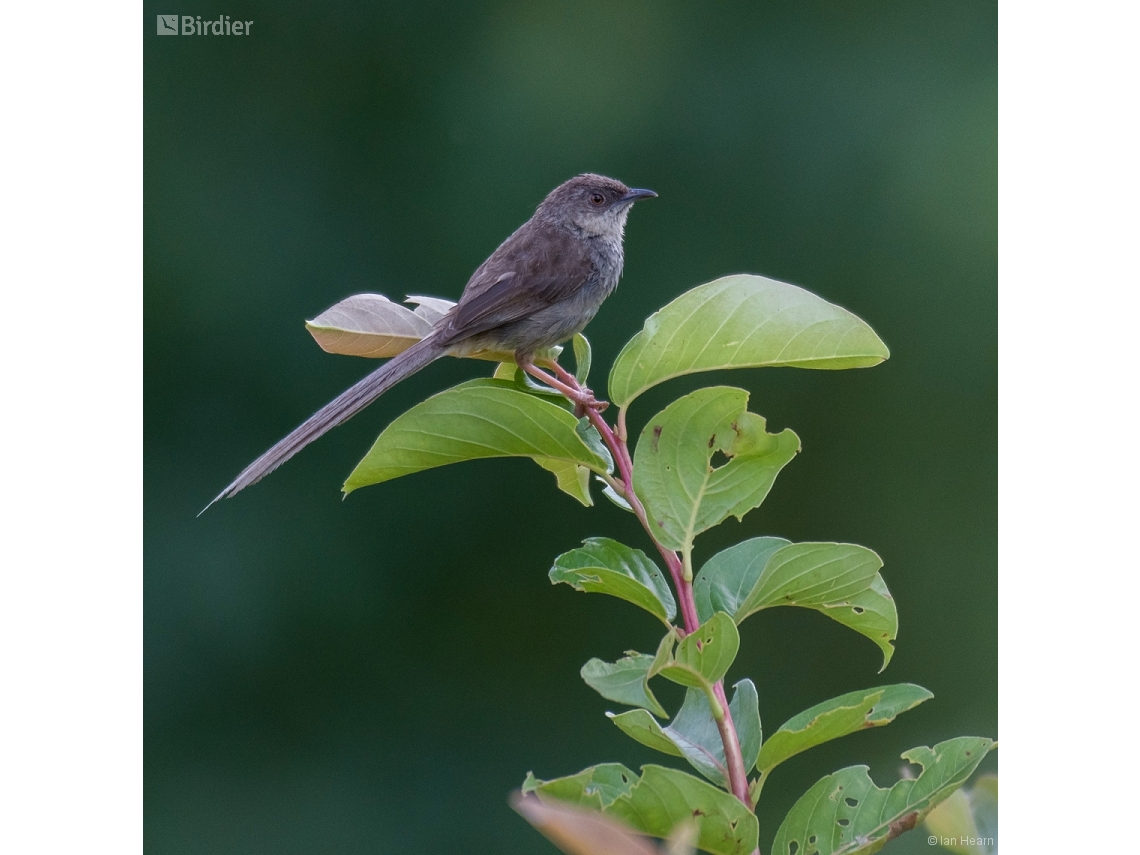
592,204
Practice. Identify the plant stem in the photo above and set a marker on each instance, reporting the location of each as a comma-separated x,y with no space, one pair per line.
733,758
678,569
620,451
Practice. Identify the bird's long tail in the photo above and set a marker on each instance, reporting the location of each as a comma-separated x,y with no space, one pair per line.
336,412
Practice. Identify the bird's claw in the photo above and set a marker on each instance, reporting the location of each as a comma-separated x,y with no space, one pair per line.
586,401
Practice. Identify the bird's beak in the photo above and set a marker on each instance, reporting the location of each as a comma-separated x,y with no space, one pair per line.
635,194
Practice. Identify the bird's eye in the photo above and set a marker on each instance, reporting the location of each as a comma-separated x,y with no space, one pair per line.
597,199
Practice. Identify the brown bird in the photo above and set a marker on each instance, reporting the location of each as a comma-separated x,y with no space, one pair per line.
538,289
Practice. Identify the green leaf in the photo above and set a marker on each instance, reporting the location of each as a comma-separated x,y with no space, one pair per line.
573,478
596,787
613,496
583,356
694,735
871,613
477,419
729,576
605,566
694,731
673,472
838,717
745,709
840,580
811,575
845,813
640,726
967,822
580,831
742,321
625,681
703,656
593,441
664,798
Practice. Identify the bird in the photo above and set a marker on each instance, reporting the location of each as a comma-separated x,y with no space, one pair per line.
541,287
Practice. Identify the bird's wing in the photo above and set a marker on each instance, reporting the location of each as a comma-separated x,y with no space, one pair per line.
534,268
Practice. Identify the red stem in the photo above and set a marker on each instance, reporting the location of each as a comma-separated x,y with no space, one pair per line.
733,758
616,443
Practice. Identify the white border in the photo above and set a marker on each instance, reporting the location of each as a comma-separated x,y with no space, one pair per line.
71,351
1069,339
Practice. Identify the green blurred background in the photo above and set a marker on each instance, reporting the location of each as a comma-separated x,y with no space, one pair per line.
375,675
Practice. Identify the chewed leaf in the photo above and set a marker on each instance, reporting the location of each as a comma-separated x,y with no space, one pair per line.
840,580
661,803
742,321
625,681
368,325
675,469
845,813
605,566
477,419
596,787
703,656
838,717
664,799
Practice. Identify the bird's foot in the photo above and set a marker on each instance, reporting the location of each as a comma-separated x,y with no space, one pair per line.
586,401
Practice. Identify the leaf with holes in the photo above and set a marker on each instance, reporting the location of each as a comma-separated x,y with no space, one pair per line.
664,799
742,321
605,566
625,681
674,474
694,735
839,580
596,787
838,717
579,831
845,813
477,419
703,656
